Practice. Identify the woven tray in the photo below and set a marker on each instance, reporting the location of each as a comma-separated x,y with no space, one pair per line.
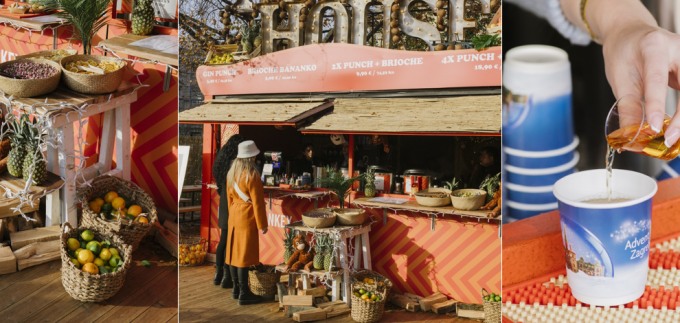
131,232
262,280
87,287
492,310
92,84
30,88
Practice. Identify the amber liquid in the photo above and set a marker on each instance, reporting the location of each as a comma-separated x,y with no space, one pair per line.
609,164
646,143
605,201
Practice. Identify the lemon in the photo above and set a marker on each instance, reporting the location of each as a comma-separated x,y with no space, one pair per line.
134,210
105,254
114,252
87,235
75,253
108,198
91,268
99,262
94,246
118,203
73,244
114,261
85,257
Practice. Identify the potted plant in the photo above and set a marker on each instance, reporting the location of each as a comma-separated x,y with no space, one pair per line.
86,17
340,186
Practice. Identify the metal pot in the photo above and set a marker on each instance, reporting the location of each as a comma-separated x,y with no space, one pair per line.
384,178
420,176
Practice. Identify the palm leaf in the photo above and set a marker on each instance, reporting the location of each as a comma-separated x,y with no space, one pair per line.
337,183
86,17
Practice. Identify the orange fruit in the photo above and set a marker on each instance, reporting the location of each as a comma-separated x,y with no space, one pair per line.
134,210
91,268
142,219
105,254
99,262
94,206
99,201
110,196
118,203
85,257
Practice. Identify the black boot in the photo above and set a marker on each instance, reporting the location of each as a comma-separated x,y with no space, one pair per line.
219,273
234,277
246,297
226,281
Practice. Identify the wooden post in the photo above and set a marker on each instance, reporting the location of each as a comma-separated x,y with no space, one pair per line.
123,153
210,146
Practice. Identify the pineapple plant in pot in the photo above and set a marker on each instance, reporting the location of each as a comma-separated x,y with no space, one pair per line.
340,186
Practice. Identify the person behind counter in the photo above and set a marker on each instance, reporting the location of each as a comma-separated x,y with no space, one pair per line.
223,161
247,215
488,166
306,163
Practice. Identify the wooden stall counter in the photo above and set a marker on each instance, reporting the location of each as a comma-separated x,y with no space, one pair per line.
33,23
125,44
407,204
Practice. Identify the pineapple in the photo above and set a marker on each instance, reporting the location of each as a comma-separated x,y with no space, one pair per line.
320,249
143,17
34,161
18,152
288,245
328,254
369,187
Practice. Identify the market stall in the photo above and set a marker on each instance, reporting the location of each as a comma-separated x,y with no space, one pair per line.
422,250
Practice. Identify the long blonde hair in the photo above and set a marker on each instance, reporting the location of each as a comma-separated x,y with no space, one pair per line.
242,167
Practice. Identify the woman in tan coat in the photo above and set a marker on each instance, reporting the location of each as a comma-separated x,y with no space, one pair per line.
245,197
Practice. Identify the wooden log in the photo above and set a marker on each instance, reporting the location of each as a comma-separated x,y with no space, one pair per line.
37,248
426,303
38,259
24,238
315,314
413,297
471,311
294,300
289,310
404,302
445,307
338,312
8,262
329,304
316,291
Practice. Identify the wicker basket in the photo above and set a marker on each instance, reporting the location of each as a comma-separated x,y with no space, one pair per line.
319,218
262,280
92,84
87,287
350,216
192,251
492,310
131,232
363,311
30,88
54,55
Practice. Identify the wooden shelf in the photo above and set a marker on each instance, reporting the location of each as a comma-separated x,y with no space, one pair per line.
14,184
413,206
121,45
316,273
29,23
355,229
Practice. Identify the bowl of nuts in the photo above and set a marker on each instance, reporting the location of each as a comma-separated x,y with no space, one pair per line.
433,197
92,74
29,77
18,9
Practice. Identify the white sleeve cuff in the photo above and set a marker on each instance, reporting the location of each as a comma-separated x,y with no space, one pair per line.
551,11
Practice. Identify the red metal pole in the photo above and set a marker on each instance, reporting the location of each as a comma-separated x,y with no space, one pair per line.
209,148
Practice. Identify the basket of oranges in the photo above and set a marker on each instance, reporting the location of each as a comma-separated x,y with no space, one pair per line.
369,295
112,204
93,263
192,251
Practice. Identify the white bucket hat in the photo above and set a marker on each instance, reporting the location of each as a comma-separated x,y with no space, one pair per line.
247,149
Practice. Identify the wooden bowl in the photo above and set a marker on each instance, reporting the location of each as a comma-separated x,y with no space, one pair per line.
22,88
18,10
92,83
350,216
319,218
427,198
468,203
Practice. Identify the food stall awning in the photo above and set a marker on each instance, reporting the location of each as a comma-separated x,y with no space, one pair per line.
477,115
290,112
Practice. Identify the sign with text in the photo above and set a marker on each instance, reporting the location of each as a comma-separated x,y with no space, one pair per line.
347,67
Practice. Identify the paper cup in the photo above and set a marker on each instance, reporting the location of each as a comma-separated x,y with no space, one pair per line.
539,115
606,245
539,176
530,194
522,211
670,170
540,159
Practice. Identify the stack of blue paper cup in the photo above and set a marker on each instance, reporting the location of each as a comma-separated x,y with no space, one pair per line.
670,170
539,145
